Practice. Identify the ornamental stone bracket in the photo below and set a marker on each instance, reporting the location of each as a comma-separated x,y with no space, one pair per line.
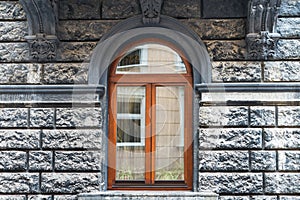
262,37
42,16
151,10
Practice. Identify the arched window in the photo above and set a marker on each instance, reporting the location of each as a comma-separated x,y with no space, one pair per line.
150,118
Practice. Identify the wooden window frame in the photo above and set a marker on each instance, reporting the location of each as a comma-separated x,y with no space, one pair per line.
150,82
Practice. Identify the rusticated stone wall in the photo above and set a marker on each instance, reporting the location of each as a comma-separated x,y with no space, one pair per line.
248,146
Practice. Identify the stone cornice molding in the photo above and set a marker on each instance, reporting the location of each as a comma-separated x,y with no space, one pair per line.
42,19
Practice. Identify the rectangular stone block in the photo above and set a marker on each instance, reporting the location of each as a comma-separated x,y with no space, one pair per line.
14,52
289,27
13,31
78,161
231,183
13,117
236,71
234,198
262,116
288,115
40,160
20,73
282,71
19,139
223,116
13,160
75,51
65,197
263,197
11,10
74,9
11,183
289,160
115,9
289,8
41,117
182,9
223,160
70,182
288,49
280,138
79,117
40,197
12,197
72,139
263,160
224,8
289,197
287,183
226,138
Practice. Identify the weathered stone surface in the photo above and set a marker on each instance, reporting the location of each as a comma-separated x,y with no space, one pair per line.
181,9
74,51
78,117
224,138
74,9
282,71
289,116
114,9
223,116
262,116
13,117
20,73
65,73
263,160
282,138
41,117
12,197
290,8
40,160
234,198
236,72
12,160
19,139
11,10
217,28
289,49
231,183
78,161
13,31
289,197
65,197
223,160
70,182
19,182
289,160
224,8
72,139
263,197
289,27
282,183
39,197
226,50
14,52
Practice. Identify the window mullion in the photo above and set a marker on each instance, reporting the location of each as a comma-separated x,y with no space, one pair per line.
148,129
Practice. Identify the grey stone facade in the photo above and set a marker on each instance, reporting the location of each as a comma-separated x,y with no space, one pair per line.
53,148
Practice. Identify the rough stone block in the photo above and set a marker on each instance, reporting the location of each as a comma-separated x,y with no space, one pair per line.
263,160
13,117
236,72
72,139
220,50
223,116
282,71
290,8
19,139
224,138
39,197
13,31
289,197
288,49
74,9
20,73
218,28
289,27
12,197
65,197
41,117
19,183
262,116
14,52
282,138
223,160
114,9
234,198
224,8
40,160
74,51
181,9
70,182
78,117
289,116
65,73
13,160
289,160
277,183
264,197
78,161
11,10
231,183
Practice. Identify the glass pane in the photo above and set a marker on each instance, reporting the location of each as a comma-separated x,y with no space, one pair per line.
169,133
130,133
151,58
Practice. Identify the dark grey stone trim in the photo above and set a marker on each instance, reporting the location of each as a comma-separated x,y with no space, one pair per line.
248,87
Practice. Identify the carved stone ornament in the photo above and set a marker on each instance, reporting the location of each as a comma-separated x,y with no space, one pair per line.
151,11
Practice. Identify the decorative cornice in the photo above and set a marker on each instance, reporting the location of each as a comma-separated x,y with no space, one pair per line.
151,10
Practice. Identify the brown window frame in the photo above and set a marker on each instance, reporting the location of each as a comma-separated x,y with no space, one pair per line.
150,82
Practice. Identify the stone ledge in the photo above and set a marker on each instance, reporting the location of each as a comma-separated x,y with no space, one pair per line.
164,195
